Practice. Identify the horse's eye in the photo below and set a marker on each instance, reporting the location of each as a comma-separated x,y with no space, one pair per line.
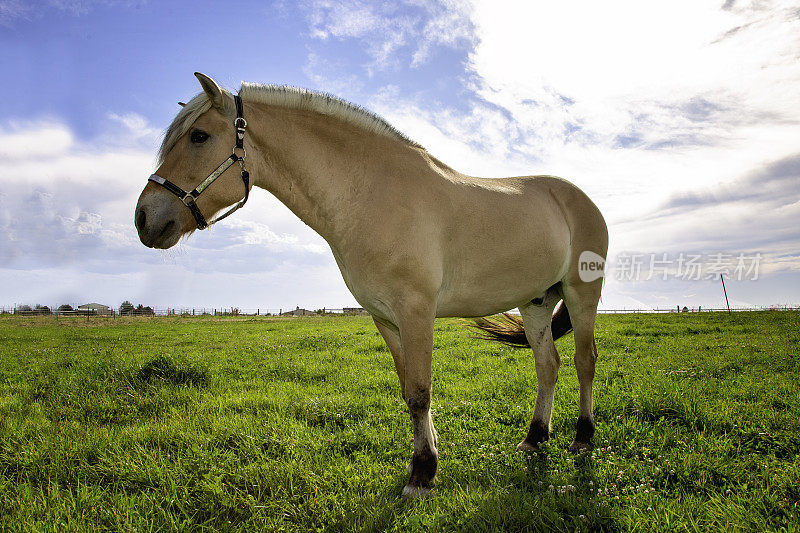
198,136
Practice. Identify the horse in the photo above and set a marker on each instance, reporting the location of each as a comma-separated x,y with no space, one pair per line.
413,238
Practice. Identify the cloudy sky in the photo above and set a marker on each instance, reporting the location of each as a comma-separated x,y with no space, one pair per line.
680,119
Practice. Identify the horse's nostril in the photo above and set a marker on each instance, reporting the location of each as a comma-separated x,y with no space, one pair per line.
141,219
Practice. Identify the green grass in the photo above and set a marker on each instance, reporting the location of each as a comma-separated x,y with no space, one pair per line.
297,424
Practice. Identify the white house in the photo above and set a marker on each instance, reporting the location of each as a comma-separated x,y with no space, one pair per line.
93,309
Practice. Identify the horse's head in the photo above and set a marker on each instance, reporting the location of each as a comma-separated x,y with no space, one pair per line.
198,140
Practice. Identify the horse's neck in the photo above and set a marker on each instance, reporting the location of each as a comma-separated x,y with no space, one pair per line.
320,169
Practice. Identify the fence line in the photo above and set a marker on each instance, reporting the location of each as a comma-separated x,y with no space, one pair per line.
702,309
147,311
76,311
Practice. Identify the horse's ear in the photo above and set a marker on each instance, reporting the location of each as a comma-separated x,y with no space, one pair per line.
182,104
212,90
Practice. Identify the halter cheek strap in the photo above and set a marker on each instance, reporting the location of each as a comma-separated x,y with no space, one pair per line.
189,198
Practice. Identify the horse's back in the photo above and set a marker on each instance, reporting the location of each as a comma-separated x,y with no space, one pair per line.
543,207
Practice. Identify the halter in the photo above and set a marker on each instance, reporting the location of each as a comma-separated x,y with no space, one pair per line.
188,198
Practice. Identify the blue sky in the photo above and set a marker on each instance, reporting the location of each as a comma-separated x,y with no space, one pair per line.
681,120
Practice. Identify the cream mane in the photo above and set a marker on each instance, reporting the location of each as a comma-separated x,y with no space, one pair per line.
282,96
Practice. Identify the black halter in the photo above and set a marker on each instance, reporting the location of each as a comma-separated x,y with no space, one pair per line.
188,198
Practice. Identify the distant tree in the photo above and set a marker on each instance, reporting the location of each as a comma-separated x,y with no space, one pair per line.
65,308
42,310
143,310
126,309
23,310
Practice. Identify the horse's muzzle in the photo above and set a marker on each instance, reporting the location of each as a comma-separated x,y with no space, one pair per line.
156,231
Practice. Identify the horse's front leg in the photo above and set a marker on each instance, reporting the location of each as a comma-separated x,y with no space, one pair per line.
415,328
391,335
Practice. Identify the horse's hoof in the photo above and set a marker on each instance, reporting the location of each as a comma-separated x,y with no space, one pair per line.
411,493
580,447
526,446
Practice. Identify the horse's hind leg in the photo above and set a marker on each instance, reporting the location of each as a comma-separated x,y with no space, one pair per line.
537,319
581,299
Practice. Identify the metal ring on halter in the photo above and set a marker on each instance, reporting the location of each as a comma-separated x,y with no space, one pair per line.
188,200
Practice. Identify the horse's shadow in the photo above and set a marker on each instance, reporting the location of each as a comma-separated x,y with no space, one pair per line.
536,498
543,500
538,474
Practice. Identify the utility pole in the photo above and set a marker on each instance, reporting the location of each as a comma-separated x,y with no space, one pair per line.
722,279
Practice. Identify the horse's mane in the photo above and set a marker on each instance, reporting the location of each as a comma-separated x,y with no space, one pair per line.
323,103
283,96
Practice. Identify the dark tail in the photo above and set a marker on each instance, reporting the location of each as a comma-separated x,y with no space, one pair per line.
508,329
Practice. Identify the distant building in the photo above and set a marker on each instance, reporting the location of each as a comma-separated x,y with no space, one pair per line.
93,309
299,312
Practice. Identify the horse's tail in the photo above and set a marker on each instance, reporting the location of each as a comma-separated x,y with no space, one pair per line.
508,328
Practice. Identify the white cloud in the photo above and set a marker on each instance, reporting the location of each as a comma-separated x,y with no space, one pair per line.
136,127
67,234
394,34
11,10
636,103
26,141
655,110
638,73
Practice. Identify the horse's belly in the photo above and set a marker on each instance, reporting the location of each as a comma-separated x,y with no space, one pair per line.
480,288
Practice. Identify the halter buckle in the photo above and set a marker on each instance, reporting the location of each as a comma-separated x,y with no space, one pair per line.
240,123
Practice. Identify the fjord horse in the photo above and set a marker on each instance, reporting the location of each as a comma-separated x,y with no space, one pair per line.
413,238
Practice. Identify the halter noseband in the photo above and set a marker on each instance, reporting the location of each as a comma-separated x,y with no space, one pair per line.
188,198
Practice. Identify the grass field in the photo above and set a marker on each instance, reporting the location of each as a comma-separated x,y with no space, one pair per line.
297,424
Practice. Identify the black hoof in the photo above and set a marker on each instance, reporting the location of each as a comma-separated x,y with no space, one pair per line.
584,430
423,475
537,434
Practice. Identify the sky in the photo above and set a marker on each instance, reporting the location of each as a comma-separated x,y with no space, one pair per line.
681,120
